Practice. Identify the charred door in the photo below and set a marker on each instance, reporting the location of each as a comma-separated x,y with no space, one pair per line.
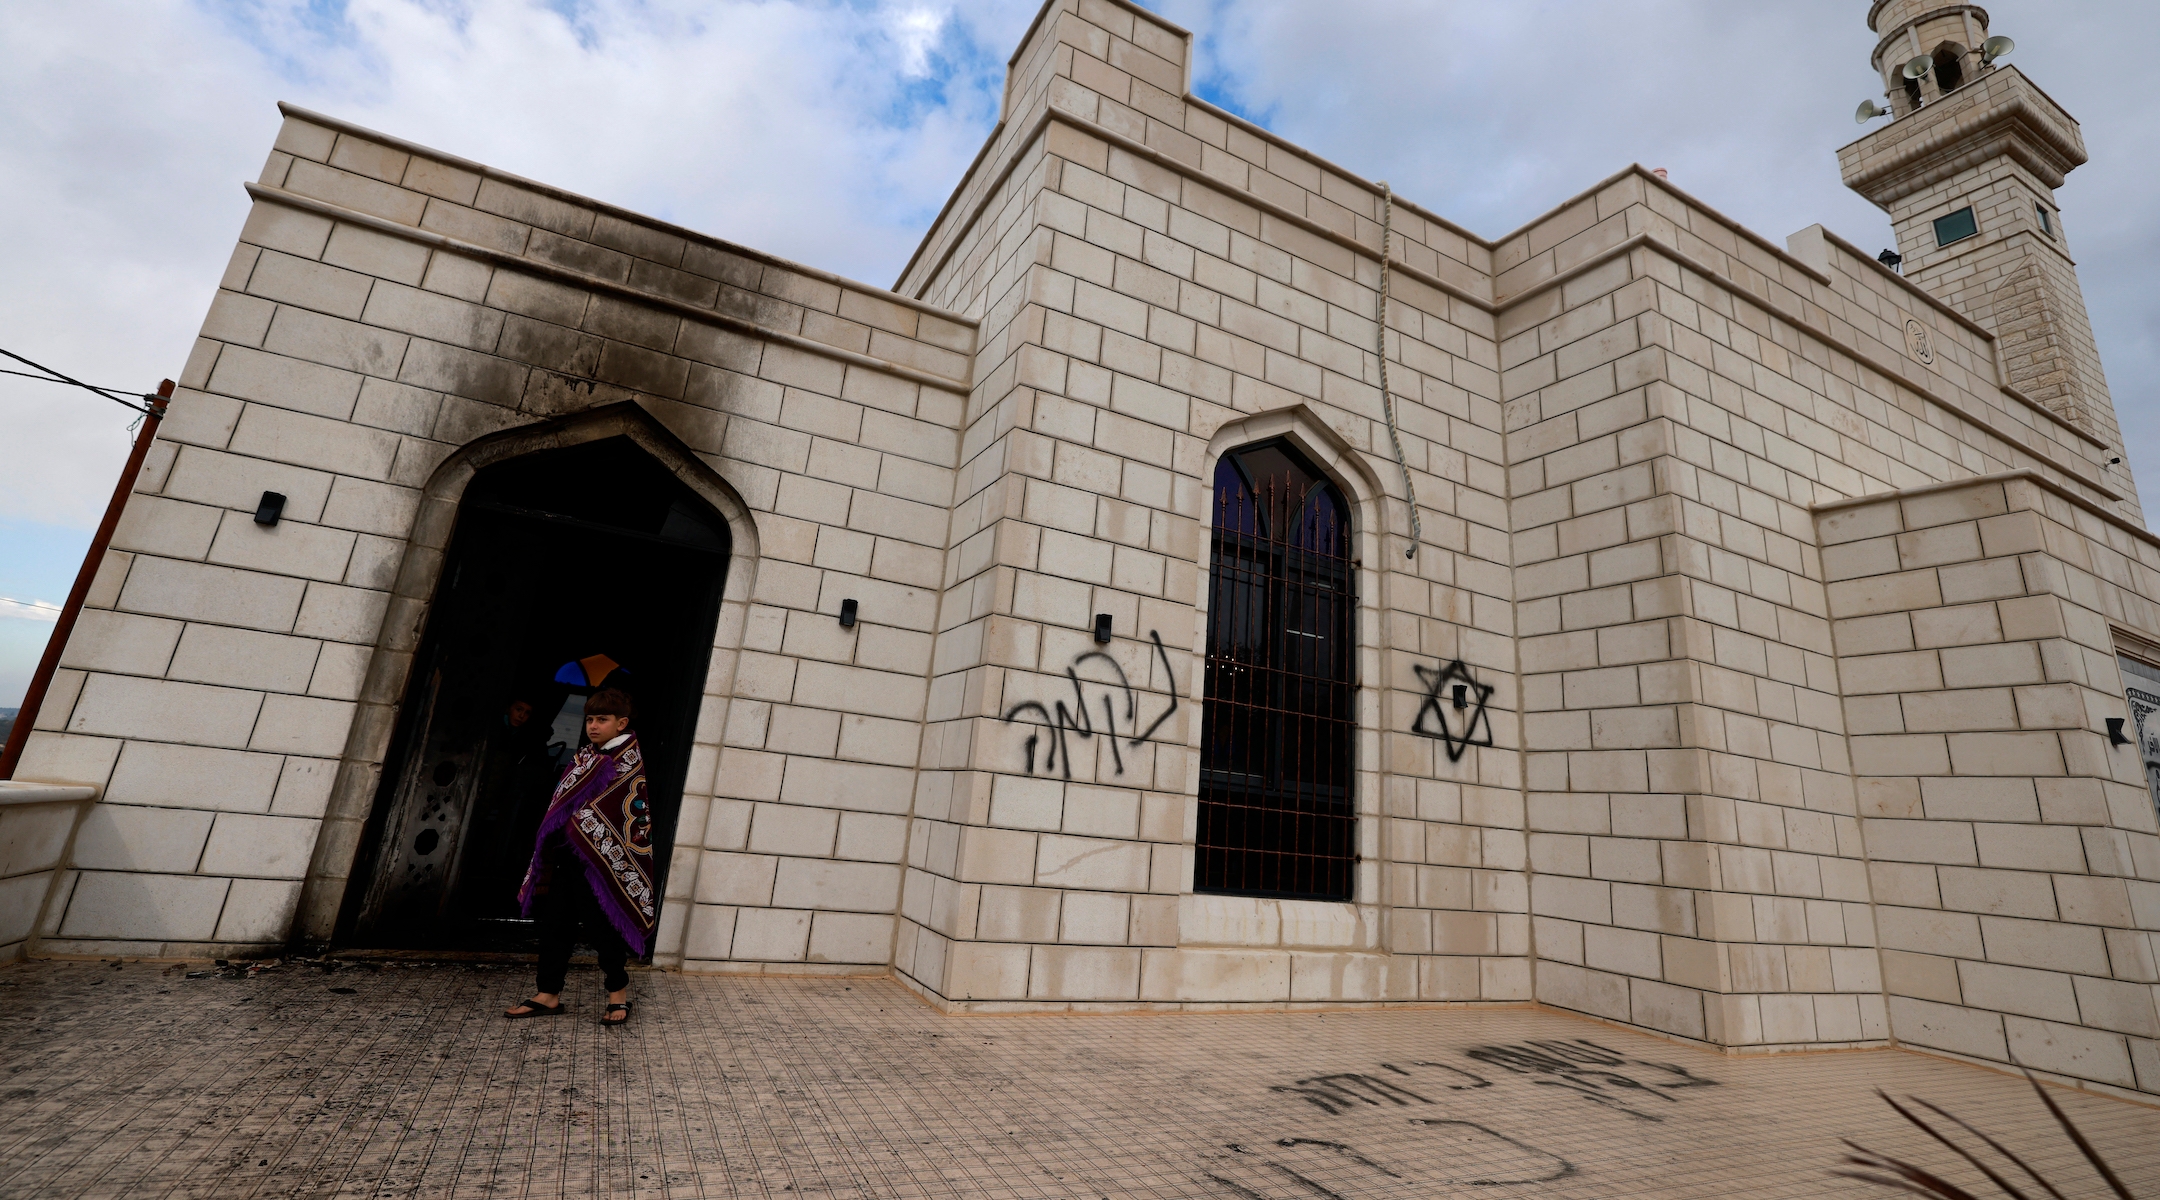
568,569
1277,806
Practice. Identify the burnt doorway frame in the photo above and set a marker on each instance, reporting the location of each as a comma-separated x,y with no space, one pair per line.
351,803
499,576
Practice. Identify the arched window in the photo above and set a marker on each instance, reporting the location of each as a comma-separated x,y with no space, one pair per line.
1949,67
1278,813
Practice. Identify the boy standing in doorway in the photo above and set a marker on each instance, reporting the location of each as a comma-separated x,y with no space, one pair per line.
592,862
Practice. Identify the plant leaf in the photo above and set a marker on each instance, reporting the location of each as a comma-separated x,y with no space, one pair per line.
2084,1147
1911,1178
1967,1155
1999,1148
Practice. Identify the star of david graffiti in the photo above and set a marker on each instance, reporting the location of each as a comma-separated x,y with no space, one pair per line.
1454,709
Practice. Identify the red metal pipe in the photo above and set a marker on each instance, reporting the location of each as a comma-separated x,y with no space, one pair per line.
41,680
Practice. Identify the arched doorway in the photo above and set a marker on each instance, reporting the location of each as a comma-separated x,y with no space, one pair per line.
1278,803
569,569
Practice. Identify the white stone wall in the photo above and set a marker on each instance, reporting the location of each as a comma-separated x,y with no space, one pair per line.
1725,800
1160,274
1693,853
384,308
1679,396
2013,852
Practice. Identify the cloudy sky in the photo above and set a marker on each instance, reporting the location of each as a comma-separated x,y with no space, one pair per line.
830,131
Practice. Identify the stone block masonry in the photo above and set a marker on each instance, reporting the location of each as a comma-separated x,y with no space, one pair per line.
2005,839
1789,600
233,687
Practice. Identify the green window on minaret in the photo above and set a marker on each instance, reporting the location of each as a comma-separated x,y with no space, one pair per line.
1956,227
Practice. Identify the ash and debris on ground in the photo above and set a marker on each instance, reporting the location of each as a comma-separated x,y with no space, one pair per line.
249,968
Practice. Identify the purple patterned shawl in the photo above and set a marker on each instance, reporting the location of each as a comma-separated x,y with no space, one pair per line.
604,812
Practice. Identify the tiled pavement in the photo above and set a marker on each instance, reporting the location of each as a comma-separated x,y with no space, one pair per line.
134,1080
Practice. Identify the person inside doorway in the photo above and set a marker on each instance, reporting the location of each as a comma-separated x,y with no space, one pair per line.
517,774
592,863
516,755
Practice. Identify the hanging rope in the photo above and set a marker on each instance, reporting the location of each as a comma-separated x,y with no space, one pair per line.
1387,398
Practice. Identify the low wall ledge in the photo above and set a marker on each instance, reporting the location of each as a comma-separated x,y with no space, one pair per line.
2022,473
33,791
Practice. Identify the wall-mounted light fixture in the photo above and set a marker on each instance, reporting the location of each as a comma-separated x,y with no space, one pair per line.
269,508
1461,696
1102,627
2116,737
847,614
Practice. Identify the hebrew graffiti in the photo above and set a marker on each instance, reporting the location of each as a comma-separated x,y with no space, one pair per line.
1332,1094
1468,1154
1597,1072
1461,1153
1592,1072
1503,1159
1257,1172
1058,721
1454,708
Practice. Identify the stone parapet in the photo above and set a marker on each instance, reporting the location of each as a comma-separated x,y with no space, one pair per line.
38,821
1999,114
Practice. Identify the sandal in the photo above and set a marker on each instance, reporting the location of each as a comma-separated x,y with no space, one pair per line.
533,1008
606,1018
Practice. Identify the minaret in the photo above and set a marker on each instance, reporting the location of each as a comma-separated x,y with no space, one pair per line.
1967,169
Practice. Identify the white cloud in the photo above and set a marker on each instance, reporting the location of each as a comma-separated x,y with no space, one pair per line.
1492,113
916,32
831,130
824,130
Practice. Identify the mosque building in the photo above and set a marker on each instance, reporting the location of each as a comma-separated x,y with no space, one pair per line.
1203,579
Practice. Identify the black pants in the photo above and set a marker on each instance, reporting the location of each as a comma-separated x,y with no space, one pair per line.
563,909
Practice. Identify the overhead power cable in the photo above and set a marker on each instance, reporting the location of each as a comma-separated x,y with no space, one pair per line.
52,376
43,378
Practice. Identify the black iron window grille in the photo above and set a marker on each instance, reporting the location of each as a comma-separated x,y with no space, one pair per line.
1278,813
